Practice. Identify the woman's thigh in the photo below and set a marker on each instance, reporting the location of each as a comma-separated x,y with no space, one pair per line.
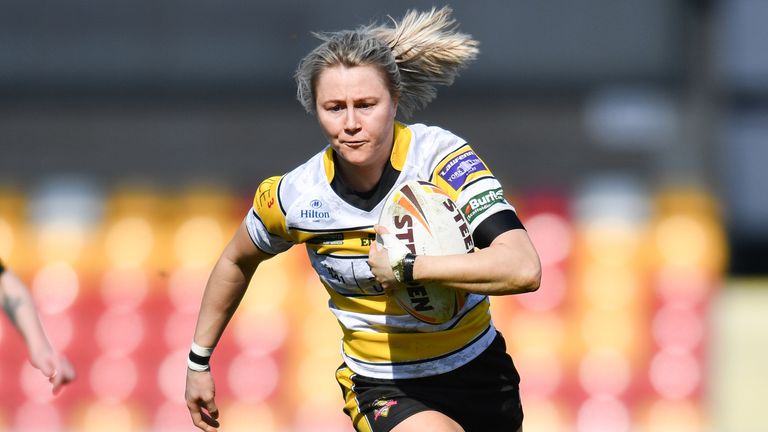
428,421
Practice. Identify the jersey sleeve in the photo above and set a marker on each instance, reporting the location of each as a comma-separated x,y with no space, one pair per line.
266,220
470,183
458,169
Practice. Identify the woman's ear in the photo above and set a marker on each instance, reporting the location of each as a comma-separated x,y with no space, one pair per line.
395,101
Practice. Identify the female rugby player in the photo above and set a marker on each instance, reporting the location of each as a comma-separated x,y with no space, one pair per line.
398,373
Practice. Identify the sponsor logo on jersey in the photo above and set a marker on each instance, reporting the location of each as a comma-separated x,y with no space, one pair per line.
451,207
382,408
481,202
458,169
367,240
314,211
327,239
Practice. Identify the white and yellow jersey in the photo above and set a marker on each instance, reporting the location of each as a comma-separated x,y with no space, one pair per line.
380,339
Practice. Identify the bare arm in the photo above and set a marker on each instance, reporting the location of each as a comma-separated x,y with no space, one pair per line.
510,265
224,291
226,286
18,306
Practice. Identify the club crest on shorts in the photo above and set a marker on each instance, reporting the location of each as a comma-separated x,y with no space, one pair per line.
382,408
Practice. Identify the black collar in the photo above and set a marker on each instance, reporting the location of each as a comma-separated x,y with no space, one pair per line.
365,200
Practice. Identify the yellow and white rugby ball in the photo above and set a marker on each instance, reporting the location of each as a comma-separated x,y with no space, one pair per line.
427,221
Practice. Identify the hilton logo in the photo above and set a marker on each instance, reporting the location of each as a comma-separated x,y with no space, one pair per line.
314,212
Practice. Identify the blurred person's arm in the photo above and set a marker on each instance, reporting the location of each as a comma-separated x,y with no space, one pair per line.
226,286
18,306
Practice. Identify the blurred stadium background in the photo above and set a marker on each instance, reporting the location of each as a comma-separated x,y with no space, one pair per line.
631,136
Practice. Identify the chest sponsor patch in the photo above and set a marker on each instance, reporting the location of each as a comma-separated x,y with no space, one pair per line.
457,170
327,239
315,211
481,202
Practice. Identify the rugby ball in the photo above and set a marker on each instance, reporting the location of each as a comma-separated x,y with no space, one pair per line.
424,219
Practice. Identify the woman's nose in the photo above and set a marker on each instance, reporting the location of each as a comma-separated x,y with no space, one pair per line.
351,124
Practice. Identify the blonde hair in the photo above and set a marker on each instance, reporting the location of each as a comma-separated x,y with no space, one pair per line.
418,53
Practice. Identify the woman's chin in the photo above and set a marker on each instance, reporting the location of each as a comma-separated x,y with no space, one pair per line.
355,158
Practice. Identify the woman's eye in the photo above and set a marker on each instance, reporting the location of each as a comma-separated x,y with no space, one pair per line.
335,108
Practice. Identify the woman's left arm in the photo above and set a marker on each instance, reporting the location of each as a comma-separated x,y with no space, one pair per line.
509,265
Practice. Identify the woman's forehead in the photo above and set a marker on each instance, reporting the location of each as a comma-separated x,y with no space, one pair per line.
345,81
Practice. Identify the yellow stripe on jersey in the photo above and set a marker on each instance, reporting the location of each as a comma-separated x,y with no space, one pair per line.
330,170
458,169
351,405
397,158
403,137
403,347
366,305
345,243
267,206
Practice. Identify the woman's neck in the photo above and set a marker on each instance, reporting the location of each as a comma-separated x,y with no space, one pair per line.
360,178
363,178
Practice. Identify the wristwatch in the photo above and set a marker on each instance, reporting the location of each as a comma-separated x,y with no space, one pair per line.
403,269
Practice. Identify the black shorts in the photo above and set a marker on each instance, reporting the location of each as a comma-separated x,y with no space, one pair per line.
482,395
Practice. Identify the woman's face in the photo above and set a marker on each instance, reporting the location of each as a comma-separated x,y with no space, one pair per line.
357,114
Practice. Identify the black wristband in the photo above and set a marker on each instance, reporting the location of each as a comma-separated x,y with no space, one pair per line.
198,359
408,261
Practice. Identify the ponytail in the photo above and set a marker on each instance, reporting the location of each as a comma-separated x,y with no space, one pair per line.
429,51
421,51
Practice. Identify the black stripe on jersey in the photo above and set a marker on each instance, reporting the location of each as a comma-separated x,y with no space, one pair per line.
472,342
279,201
330,230
342,256
455,323
495,224
357,295
253,211
256,215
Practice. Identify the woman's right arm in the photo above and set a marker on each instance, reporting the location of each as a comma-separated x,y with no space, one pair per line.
223,292
16,301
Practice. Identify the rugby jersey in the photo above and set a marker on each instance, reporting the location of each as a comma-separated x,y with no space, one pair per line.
380,339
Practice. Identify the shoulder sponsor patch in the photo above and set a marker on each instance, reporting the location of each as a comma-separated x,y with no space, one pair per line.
459,168
481,202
